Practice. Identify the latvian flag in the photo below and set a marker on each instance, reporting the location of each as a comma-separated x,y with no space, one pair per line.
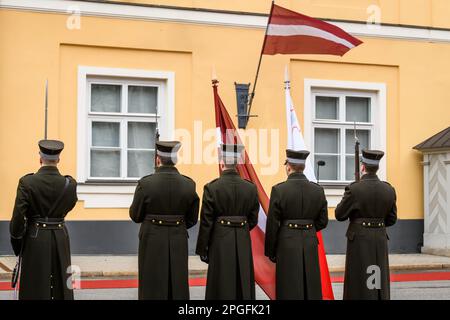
289,32
264,269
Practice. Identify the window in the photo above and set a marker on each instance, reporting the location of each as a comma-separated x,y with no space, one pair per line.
116,125
121,121
334,115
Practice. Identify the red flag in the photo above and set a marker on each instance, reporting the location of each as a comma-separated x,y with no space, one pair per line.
264,269
289,32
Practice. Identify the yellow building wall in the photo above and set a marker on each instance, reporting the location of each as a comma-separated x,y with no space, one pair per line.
432,13
37,46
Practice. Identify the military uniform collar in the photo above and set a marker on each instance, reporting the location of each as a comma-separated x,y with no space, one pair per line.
48,170
166,169
370,176
297,175
230,172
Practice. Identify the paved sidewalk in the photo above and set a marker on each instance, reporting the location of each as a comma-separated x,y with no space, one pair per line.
126,266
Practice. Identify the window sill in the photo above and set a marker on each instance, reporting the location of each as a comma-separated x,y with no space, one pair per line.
94,182
106,194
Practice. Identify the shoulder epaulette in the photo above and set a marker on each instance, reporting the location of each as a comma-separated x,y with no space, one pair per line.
188,177
27,175
249,181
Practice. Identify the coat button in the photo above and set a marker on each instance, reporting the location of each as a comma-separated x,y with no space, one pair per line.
368,224
364,223
44,225
222,222
295,225
178,222
228,222
242,224
160,222
290,225
59,225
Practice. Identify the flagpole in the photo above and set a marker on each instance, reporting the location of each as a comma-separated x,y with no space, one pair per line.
250,100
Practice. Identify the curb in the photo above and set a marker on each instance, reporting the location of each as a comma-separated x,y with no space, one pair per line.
202,273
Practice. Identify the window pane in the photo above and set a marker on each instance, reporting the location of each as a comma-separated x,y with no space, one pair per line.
350,168
105,97
105,163
330,171
357,109
105,134
141,135
326,140
363,137
140,163
142,99
327,108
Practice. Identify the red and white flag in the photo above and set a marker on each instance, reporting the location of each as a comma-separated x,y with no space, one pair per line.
264,269
289,32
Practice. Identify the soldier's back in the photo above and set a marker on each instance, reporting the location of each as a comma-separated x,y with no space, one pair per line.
299,198
233,196
375,198
167,191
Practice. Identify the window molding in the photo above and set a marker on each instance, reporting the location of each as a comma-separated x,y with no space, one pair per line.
108,195
379,113
202,16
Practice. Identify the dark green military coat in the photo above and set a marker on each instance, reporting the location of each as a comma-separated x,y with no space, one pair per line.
296,250
163,250
366,247
230,271
46,252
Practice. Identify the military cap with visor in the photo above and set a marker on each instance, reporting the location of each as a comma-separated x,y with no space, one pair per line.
231,153
168,149
296,156
50,149
372,157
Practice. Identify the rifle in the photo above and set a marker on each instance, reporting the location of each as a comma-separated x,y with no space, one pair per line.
357,172
17,268
156,133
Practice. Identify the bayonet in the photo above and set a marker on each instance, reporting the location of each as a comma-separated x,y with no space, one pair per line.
357,172
46,110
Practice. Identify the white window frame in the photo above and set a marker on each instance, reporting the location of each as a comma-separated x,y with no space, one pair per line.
112,193
122,117
378,93
340,125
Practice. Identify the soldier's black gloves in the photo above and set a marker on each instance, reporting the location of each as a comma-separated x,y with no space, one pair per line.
273,259
205,259
16,245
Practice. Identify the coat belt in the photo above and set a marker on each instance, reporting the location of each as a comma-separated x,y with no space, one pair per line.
232,221
303,224
165,220
369,222
47,223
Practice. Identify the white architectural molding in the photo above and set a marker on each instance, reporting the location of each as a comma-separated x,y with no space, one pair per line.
117,196
103,196
210,17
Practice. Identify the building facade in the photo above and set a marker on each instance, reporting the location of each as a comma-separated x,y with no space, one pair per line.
117,70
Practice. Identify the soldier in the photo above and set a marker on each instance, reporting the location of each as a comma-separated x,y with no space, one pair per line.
38,232
370,205
298,209
166,204
229,211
